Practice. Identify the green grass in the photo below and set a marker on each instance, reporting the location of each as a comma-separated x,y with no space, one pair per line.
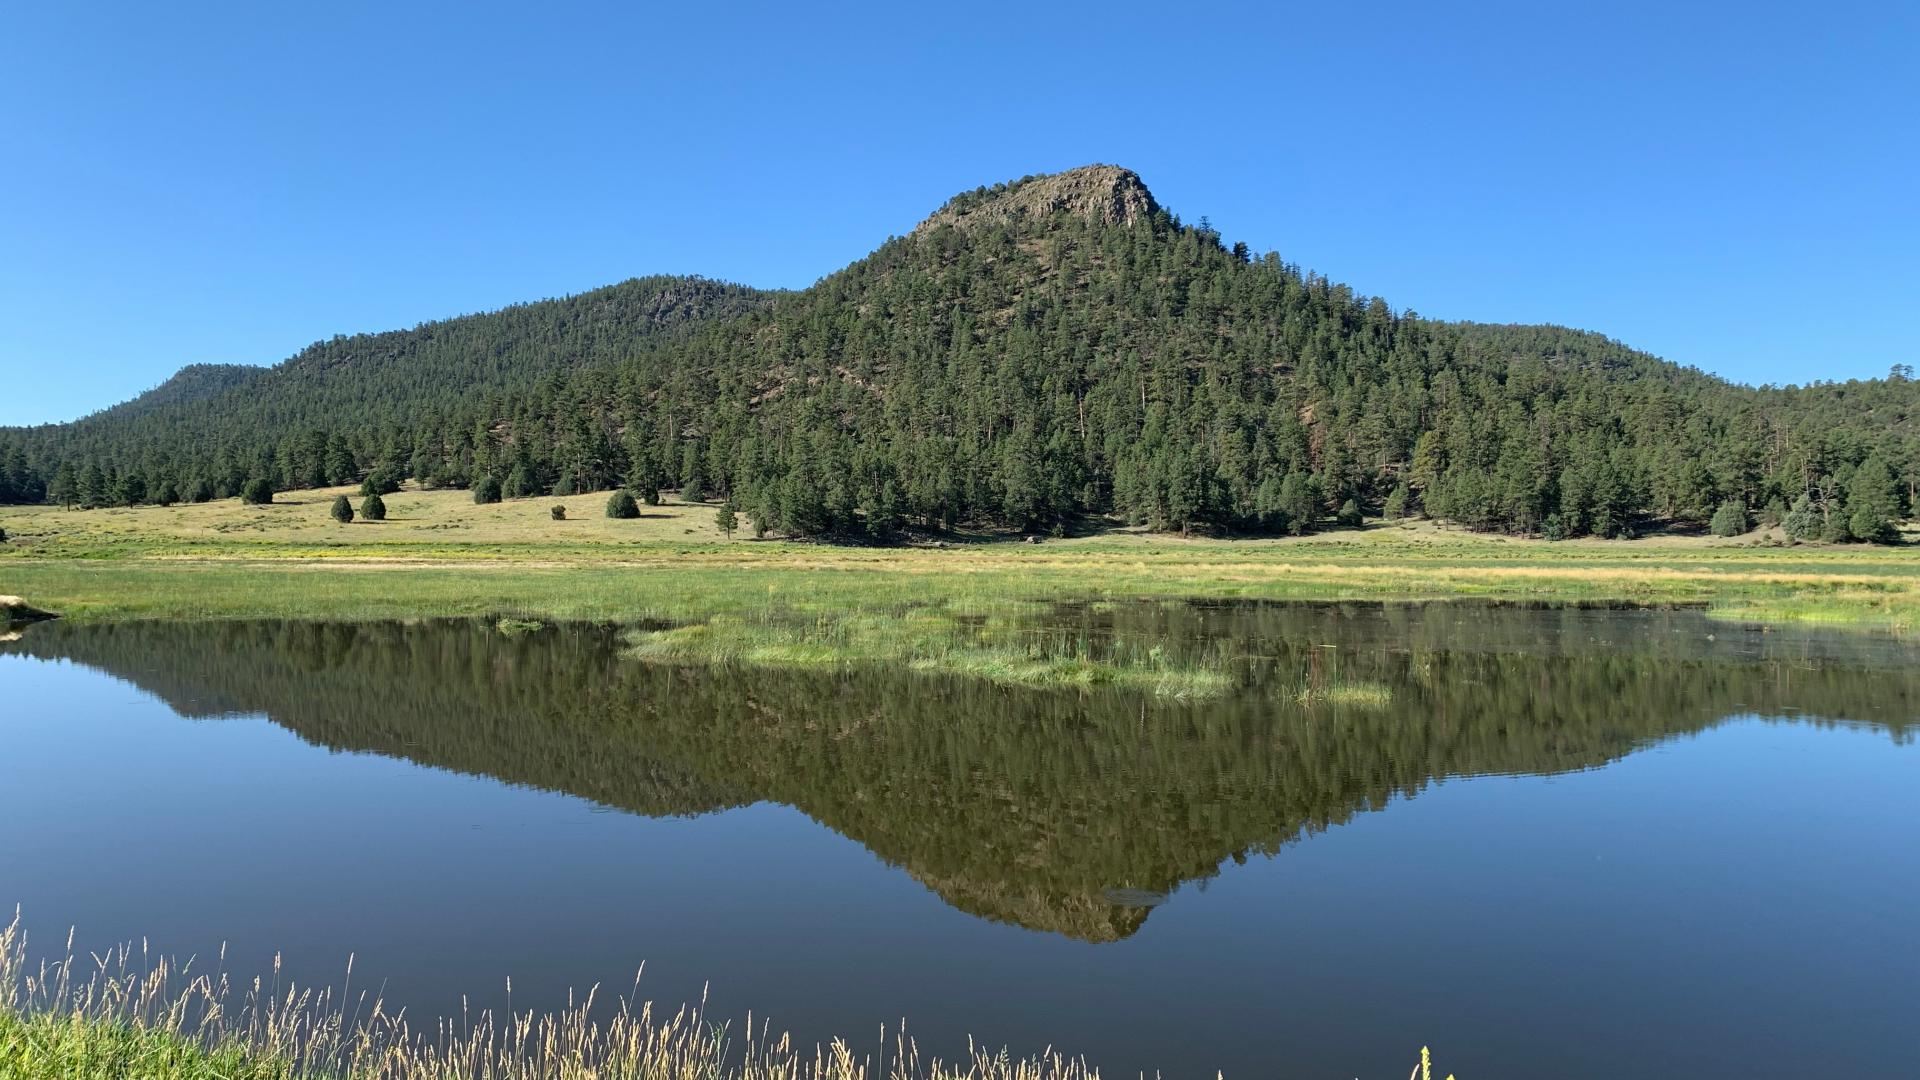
439,554
1361,695
967,638
116,1017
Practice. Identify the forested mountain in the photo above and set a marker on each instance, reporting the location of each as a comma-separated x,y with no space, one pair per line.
1031,353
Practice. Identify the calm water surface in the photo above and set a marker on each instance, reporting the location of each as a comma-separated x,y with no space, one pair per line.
1573,843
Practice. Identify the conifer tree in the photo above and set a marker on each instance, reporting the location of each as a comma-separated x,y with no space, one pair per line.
373,507
1730,519
342,510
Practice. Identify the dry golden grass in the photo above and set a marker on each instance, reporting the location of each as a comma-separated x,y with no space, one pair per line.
440,553
127,1015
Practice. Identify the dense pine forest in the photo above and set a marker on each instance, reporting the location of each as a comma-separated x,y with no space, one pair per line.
1033,354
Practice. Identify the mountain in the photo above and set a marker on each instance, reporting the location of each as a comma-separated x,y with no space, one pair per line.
1029,354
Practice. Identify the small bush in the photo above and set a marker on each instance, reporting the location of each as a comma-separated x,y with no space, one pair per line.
559,512
256,492
3,536
650,495
486,490
621,505
342,509
374,508
1349,514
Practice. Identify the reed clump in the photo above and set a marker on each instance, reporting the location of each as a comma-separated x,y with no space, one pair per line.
128,1015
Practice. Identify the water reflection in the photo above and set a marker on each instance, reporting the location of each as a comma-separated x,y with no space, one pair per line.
1076,813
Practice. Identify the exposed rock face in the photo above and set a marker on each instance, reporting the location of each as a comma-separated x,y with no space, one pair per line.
1105,193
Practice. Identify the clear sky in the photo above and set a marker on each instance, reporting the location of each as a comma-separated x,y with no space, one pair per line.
1730,185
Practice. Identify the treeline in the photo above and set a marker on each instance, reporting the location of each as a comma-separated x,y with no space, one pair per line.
1026,370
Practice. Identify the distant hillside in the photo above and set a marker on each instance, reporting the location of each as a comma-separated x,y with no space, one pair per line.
1030,354
193,383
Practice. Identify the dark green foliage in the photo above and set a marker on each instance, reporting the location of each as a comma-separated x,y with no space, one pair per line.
1399,502
1870,525
3,536
342,510
199,490
650,495
621,505
521,483
257,491
1018,369
559,512
1349,515
486,490
725,519
1802,522
373,508
382,481
1730,519
166,494
1834,528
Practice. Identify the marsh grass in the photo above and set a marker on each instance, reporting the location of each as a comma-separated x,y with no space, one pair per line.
126,1014
1002,643
1359,694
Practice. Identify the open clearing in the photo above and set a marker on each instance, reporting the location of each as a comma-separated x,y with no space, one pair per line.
439,553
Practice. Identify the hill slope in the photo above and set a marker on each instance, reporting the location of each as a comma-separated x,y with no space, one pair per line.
1053,347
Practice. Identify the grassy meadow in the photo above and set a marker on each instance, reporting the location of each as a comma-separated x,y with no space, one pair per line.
438,553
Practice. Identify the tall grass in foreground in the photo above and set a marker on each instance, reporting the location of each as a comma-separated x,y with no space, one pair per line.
126,1015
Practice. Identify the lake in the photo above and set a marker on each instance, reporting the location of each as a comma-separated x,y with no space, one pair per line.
1568,842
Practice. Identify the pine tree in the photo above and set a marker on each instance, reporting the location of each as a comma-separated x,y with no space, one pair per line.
373,507
1730,519
486,490
1349,515
342,511
1803,521
257,491
725,519
1398,503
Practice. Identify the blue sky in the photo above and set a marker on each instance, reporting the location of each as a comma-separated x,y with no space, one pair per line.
1732,186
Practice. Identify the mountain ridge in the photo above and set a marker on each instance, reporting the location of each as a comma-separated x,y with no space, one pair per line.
1044,349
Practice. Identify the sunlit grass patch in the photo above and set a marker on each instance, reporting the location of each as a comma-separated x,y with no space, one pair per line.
974,639
1358,694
